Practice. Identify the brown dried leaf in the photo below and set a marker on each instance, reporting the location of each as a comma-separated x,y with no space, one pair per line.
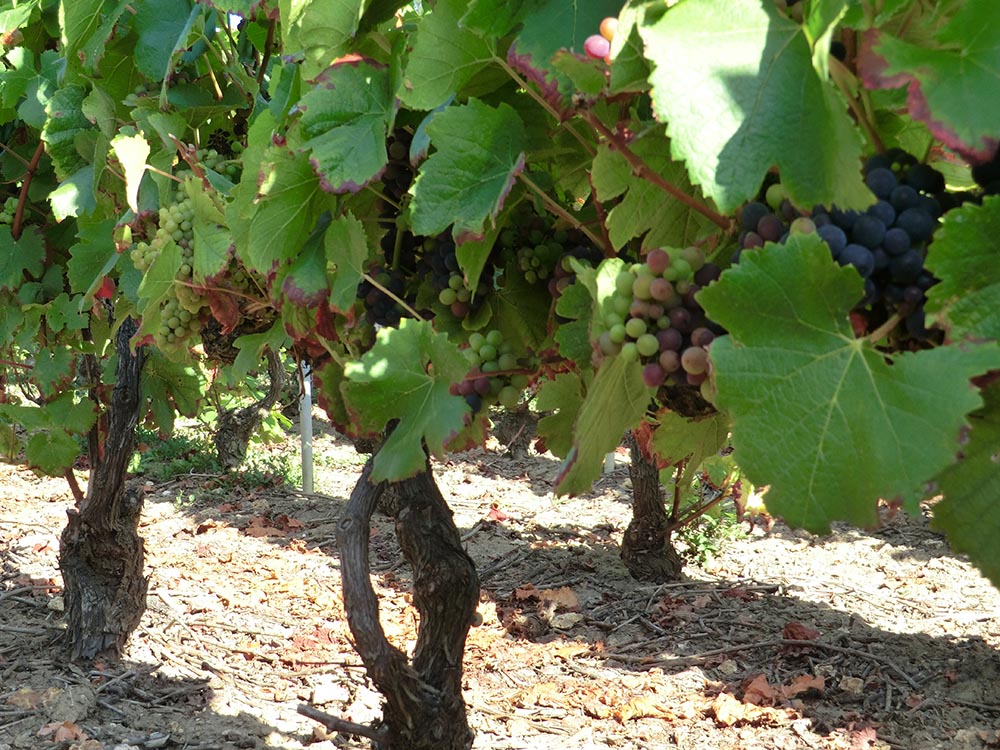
796,631
727,710
804,684
759,692
563,598
644,707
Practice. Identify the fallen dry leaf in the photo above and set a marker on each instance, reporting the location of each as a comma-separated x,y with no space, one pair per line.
759,692
496,514
62,731
644,707
804,684
796,631
727,710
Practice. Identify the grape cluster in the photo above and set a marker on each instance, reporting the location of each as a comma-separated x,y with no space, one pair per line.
181,309
492,376
9,208
886,244
655,318
382,309
446,280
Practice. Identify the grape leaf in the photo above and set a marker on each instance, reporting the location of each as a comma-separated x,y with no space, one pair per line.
54,369
615,401
17,257
65,123
644,210
87,25
573,336
51,451
93,257
824,418
495,18
406,376
952,83
563,396
345,118
964,256
132,151
520,310
729,116
346,254
252,346
320,29
969,513
169,388
306,284
480,152
445,56
157,284
75,195
677,438
62,312
277,209
212,240
162,28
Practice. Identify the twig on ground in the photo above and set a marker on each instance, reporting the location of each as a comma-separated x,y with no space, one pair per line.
336,724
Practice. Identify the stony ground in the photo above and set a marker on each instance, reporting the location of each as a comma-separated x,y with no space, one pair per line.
865,639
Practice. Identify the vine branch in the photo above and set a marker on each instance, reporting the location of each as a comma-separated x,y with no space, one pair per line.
22,198
641,169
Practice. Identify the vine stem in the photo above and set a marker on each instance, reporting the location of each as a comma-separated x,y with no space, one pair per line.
562,213
676,509
840,74
641,169
22,199
265,58
883,330
390,295
74,486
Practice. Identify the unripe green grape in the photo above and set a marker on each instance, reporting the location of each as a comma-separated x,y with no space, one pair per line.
623,283
447,296
509,397
494,337
507,361
635,327
476,340
621,305
488,367
629,352
647,345
617,333
455,282
641,287
488,352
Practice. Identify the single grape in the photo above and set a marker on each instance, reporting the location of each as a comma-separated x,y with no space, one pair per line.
702,336
694,360
868,231
476,341
647,345
670,339
641,287
488,352
860,257
494,337
629,351
770,228
596,46
509,397
881,181
657,261
617,333
609,27
917,223
670,361
653,375
774,195
623,283
896,241
635,327
751,214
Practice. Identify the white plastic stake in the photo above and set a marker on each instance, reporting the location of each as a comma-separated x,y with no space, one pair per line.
609,462
306,429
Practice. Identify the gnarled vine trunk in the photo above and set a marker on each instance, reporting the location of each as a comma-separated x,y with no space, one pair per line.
423,708
101,554
646,548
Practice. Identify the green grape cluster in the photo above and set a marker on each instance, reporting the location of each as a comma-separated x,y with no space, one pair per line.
211,159
9,208
492,361
182,308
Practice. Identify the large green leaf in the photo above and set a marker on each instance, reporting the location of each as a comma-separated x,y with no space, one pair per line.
162,28
406,376
345,119
563,396
20,256
645,211
969,513
212,240
87,25
170,388
65,123
445,56
752,100
964,256
480,152
346,253
954,82
279,209
319,30
615,402
825,419
93,257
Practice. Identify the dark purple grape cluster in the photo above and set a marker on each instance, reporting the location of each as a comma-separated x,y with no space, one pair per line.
886,244
441,273
987,175
382,309
654,318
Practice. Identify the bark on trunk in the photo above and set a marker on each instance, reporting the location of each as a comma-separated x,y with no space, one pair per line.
423,708
647,550
101,554
237,426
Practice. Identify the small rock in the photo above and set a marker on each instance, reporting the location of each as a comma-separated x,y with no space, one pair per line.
566,621
329,691
853,688
56,604
366,707
728,667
